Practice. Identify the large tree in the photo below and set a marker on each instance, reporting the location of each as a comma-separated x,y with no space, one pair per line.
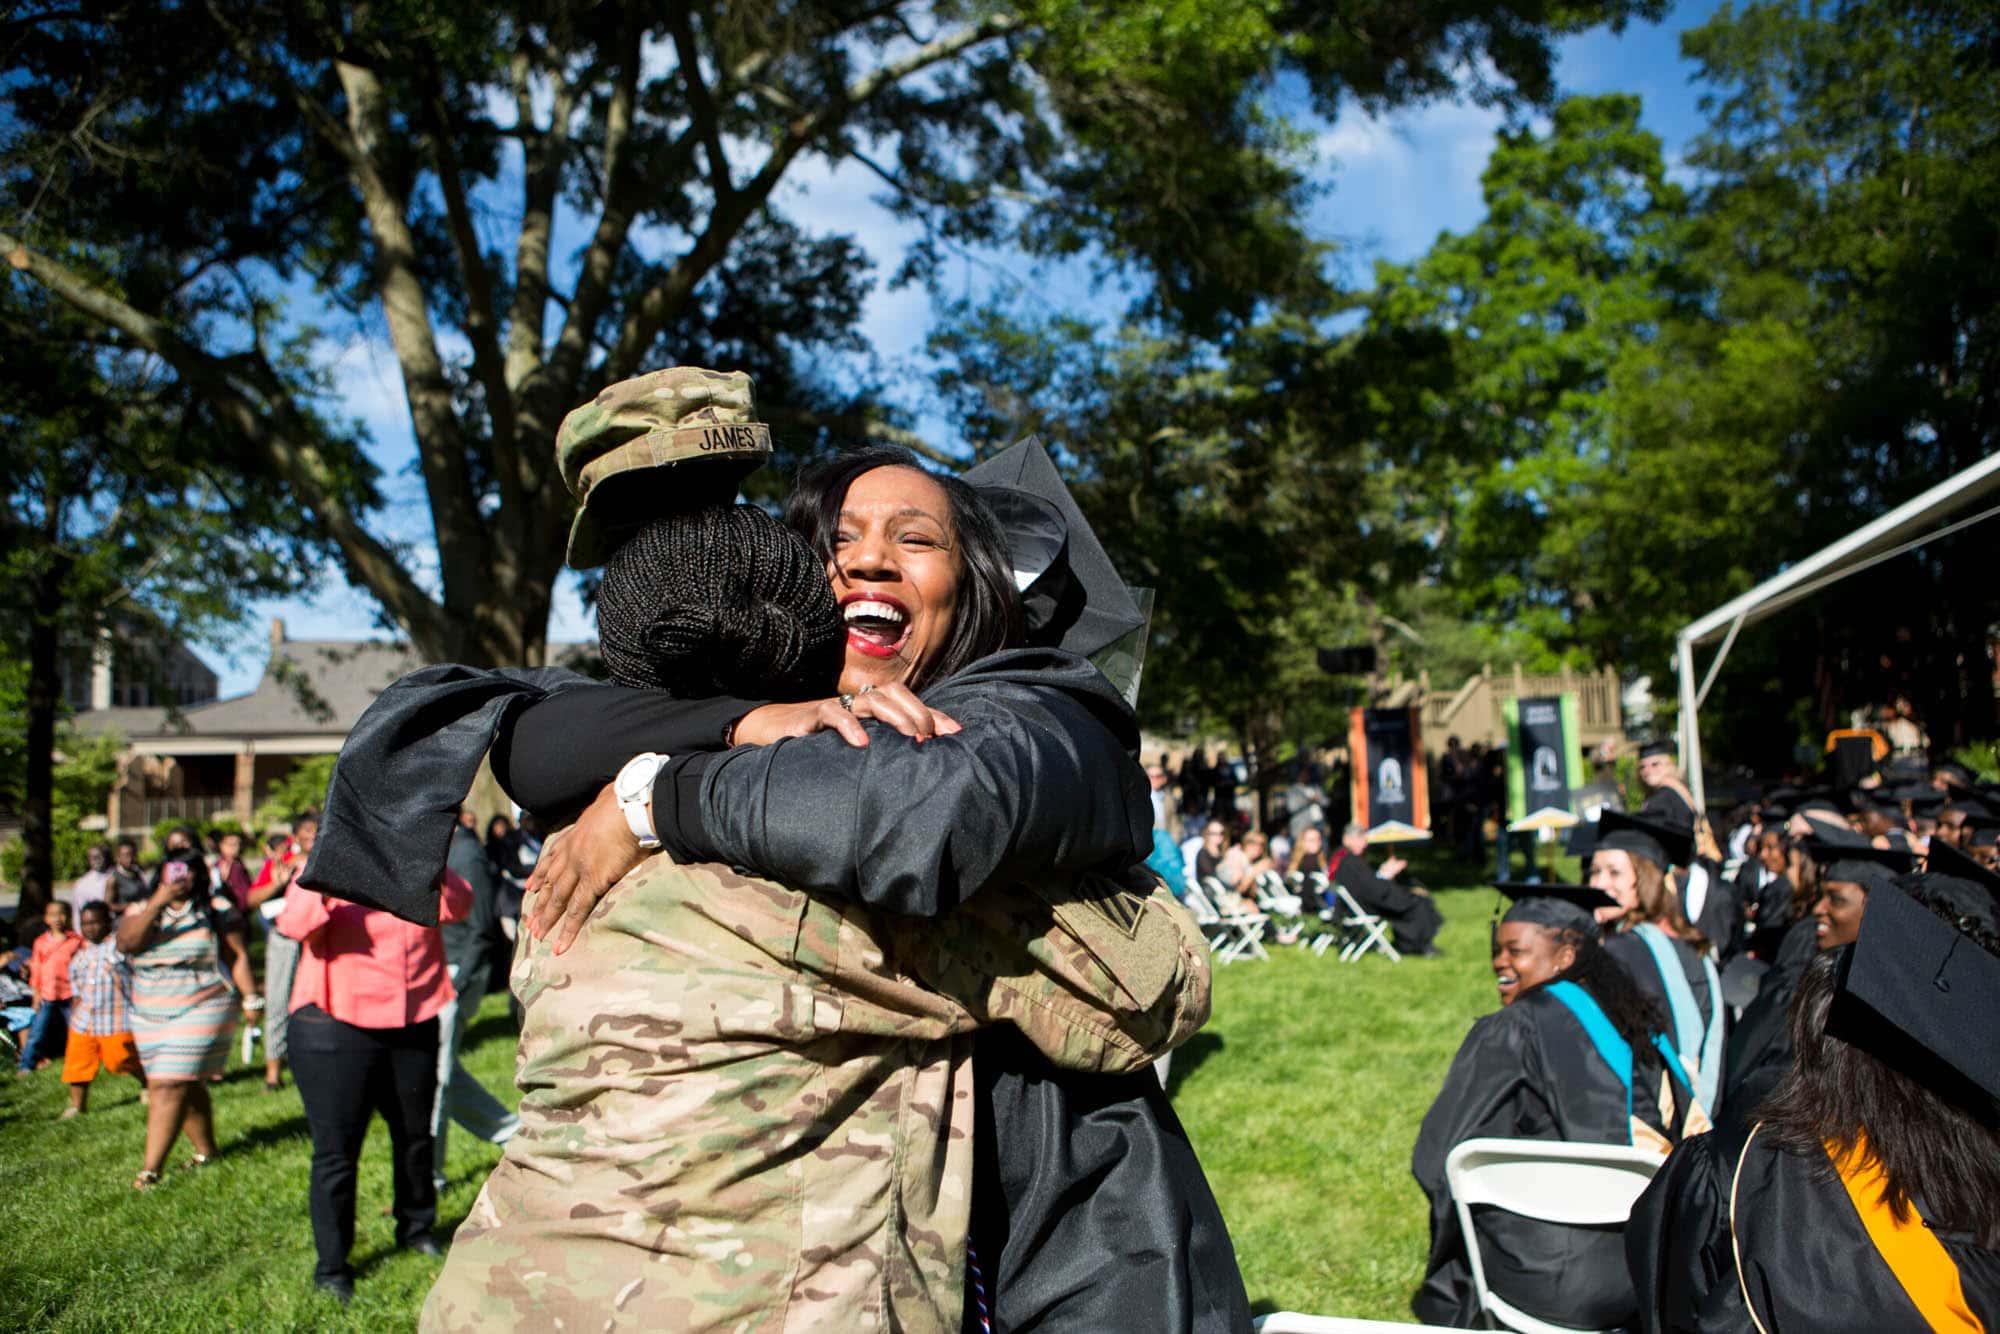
129,524
534,199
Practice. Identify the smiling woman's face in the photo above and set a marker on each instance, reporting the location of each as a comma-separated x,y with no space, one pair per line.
1837,914
1526,955
1612,871
895,573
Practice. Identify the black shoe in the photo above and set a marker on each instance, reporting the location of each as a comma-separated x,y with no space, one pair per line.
425,1244
341,1288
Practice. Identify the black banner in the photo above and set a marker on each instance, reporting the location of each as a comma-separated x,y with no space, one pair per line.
1390,786
1544,749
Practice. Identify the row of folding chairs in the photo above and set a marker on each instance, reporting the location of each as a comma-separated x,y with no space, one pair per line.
1236,931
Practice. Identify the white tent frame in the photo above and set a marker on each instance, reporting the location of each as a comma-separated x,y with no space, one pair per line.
1902,529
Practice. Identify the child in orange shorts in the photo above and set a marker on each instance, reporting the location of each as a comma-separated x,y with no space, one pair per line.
100,1026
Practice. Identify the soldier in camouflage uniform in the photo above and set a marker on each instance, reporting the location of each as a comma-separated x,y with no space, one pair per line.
748,1109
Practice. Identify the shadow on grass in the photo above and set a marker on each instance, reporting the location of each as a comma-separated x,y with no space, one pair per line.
495,1024
1189,1056
444,1229
272,1132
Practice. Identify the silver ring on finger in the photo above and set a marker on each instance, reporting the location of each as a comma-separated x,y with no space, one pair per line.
847,702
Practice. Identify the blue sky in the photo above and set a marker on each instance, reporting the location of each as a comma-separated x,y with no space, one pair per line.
1396,182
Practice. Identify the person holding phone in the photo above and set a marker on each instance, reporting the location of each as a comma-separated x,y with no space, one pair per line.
190,975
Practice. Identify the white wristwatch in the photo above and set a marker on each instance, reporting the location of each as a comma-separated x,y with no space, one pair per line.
634,789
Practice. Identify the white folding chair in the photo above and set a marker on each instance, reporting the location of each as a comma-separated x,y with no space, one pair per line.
1275,896
1552,1181
1205,916
1362,930
1292,1322
1246,928
1319,935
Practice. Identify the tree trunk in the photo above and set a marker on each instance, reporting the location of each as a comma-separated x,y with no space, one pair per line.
38,792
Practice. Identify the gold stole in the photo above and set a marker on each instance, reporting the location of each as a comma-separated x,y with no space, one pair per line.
1916,1257
1919,1261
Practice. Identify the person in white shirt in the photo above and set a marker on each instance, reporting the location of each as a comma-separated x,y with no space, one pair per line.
94,885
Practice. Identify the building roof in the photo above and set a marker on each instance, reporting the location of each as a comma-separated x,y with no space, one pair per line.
309,687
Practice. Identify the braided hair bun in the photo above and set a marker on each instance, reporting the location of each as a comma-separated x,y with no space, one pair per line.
719,601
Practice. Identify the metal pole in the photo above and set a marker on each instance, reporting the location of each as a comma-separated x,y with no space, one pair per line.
1690,727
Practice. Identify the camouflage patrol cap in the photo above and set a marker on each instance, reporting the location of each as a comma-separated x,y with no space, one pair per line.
667,440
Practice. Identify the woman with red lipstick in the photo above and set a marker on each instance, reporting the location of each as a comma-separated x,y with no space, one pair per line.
876,795
1009,765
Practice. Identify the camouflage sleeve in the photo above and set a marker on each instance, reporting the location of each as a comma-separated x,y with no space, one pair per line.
1098,975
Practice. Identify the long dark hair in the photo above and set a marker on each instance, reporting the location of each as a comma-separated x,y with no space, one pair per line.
1635,1015
988,617
1934,1137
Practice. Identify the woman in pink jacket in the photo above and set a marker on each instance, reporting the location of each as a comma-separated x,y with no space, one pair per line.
364,1039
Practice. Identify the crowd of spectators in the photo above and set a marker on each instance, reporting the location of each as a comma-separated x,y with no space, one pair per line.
145,969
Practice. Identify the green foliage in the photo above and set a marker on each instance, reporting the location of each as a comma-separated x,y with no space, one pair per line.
82,788
303,789
1138,137
1983,760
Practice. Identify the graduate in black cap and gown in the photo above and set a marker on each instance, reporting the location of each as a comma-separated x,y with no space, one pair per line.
1576,1052
1090,1207
1670,959
1867,1196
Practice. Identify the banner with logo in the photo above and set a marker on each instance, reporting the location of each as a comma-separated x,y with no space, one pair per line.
1544,766
1390,786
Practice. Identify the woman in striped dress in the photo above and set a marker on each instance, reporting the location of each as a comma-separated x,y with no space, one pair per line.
186,944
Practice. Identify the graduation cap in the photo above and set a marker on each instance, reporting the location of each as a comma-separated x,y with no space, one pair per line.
1953,773
1661,841
1927,803
1921,996
1561,907
1581,840
1969,890
1652,748
1851,859
1072,593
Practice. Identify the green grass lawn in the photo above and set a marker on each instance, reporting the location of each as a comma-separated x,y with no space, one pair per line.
1302,1096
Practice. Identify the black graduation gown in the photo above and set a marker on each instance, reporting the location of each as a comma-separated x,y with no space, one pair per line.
1413,918
1633,953
1760,1041
1528,1071
1721,915
1807,1261
915,836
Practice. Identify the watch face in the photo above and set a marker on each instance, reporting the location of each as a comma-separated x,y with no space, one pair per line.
636,777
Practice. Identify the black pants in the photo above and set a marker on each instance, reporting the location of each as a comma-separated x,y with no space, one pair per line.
345,1075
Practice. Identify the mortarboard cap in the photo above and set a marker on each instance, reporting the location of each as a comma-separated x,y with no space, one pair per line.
1969,890
1921,997
1581,840
1071,591
1652,748
1664,842
1953,773
1852,860
1561,907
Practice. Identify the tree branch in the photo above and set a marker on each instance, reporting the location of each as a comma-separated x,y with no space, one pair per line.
544,152
703,105
480,330
441,446
262,410
652,311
